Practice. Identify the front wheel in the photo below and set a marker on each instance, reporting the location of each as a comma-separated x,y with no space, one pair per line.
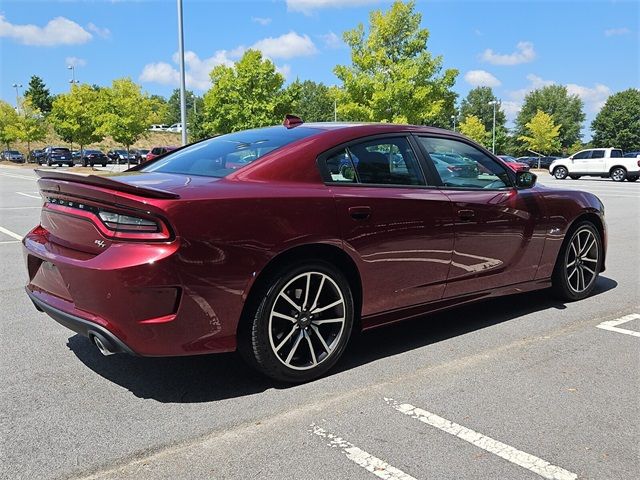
302,324
579,263
618,174
560,173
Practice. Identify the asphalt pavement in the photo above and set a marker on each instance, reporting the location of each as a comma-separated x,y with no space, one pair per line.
521,387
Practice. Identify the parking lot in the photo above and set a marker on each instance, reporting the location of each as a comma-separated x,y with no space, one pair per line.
521,387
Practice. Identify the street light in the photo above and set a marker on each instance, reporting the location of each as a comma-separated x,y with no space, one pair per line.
183,99
73,80
453,117
17,86
493,130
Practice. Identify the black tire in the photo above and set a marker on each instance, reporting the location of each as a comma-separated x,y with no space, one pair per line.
104,164
562,281
618,174
632,179
49,163
256,341
574,177
85,163
560,173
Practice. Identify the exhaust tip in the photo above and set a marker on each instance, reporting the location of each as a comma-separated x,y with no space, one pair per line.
102,344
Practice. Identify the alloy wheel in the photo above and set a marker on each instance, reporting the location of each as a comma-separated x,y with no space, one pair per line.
582,260
307,321
560,173
618,175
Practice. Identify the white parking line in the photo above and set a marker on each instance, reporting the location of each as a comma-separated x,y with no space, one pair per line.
513,455
378,467
9,242
29,195
11,234
13,175
20,208
612,325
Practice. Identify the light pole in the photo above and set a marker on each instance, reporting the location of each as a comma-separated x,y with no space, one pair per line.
73,80
453,117
335,110
17,86
183,99
493,130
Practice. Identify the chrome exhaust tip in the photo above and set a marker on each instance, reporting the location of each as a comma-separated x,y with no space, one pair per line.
104,347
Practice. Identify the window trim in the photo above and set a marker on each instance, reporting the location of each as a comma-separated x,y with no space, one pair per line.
326,175
510,174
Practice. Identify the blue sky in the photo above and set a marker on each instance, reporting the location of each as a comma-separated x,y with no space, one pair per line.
512,46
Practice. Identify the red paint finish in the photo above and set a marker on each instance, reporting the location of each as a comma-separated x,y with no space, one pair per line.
415,249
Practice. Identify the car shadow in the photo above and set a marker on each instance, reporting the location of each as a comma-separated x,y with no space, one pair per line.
207,378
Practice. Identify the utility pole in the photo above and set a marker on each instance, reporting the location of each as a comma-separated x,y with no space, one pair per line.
453,117
183,99
493,130
335,110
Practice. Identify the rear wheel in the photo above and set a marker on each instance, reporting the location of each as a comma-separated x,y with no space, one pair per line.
632,179
302,324
560,173
574,177
579,263
618,174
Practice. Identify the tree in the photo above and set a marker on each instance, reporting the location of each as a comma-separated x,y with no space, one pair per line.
478,103
126,112
173,105
39,95
618,123
248,94
30,126
565,109
159,109
393,77
74,115
8,118
473,128
314,101
544,134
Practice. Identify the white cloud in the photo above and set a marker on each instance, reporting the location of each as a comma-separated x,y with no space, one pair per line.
331,40
58,31
264,21
593,98
75,61
101,32
481,78
524,53
289,45
611,32
161,73
308,6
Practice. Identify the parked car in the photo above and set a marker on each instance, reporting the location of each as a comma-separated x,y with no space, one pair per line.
56,156
158,127
513,163
631,154
76,155
142,153
284,257
176,128
119,156
12,156
537,162
94,157
35,155
597,162
158,151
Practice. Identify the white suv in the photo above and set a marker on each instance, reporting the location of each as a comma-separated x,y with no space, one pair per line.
597,162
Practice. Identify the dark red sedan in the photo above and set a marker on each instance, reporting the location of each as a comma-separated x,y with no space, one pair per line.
281,241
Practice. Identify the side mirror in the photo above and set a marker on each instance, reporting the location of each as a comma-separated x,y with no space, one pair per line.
525,179
571,158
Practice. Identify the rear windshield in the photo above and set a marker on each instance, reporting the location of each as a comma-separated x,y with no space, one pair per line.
220,156
60,150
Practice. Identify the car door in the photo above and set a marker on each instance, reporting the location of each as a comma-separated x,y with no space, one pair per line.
580,162
399,229
596,162
498,229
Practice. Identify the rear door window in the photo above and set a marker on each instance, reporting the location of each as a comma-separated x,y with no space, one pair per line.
597,154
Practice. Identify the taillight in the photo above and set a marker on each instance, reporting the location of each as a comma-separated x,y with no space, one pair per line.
125,223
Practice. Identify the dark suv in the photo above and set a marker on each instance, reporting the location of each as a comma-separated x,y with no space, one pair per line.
56,156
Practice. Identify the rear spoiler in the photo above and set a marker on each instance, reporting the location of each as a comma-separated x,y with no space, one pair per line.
106,182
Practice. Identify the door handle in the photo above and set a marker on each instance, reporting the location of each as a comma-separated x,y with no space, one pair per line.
466,215
360,213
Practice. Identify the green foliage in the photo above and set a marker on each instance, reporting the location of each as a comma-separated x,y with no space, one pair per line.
393,77
30,126
159,109
544,134
314,101
173,106
473,128
565,109
246,95
74,115
38,94
477,102
618,123
125,112
8,119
